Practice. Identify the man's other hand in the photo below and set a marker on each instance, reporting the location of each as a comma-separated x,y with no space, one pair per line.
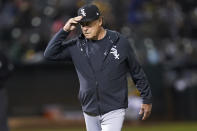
145,111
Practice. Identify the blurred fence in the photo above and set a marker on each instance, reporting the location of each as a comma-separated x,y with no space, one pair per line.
33,87
163,34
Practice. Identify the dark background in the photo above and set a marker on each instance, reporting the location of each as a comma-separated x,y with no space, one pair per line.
162,33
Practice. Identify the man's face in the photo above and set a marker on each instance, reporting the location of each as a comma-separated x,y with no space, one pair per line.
91,29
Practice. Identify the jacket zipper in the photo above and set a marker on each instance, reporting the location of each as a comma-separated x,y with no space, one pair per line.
98,98
97,90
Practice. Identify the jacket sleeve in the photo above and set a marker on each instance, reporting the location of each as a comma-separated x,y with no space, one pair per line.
138,76
57,49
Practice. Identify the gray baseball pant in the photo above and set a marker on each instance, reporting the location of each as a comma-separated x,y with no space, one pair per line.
111,121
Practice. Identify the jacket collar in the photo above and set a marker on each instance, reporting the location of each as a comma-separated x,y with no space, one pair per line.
112,36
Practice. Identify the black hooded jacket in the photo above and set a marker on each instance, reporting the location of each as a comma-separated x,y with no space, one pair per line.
104,90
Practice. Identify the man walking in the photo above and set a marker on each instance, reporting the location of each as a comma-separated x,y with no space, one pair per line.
102,59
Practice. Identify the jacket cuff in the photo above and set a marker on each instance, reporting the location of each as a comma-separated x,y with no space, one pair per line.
147,101
63,31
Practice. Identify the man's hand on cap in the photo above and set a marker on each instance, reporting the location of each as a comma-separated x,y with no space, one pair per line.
71,23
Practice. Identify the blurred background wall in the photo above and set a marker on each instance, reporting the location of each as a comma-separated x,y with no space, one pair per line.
162,33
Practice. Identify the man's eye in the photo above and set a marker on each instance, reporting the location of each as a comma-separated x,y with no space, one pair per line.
85,24
88,23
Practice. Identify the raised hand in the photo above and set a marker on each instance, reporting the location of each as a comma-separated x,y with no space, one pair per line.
71,23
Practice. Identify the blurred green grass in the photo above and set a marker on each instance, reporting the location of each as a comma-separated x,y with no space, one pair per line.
187,126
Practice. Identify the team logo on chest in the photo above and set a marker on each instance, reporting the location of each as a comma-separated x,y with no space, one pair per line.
114,52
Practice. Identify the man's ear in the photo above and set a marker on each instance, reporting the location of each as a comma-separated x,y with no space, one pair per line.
100,21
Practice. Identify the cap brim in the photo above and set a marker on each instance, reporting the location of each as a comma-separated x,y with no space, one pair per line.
84,19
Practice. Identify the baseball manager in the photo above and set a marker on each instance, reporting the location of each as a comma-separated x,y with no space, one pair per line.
102,59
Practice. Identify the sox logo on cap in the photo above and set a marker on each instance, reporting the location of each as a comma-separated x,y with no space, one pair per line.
83,12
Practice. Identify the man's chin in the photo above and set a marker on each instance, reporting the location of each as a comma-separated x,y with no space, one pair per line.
88,37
